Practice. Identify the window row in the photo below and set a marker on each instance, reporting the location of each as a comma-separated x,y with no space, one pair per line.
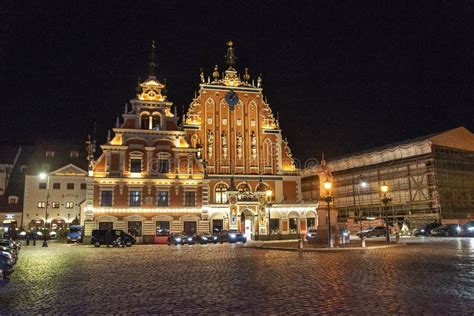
42,204
161,166
57,186
135,198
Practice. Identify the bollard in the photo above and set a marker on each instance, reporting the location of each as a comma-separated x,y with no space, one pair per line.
362,238
397,237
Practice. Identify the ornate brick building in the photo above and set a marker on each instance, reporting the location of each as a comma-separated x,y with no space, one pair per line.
226,166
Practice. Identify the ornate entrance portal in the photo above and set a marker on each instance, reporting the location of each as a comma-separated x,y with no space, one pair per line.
247,226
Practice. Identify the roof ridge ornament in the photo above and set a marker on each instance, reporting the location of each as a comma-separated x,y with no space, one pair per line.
230,56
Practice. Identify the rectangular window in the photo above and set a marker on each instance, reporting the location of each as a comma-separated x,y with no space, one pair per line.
106,225
41,204
162,228
42,185
74,154
293,225
56,186
135,228
217,225
190,198
311,222
49,154
106,198
70,186
55,204
135,165
83,186
135,198
69,204
162,198
163,166
274,226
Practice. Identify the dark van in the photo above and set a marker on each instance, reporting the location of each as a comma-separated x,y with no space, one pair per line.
99,237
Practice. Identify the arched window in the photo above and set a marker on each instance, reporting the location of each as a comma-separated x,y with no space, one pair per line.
268,153
155,122
144,121
244,187
221,193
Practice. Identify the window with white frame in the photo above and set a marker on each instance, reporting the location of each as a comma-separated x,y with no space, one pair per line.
106,198
41,204
135,198
55,204
162,198
221,193
69,205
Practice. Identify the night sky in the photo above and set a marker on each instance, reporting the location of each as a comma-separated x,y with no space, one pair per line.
344,76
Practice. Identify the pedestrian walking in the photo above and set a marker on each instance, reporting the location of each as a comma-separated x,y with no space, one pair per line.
33,236
27,238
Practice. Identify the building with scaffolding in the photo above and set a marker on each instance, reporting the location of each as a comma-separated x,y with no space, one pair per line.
430,178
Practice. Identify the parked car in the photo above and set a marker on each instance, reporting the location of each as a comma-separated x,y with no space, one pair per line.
468,229
206,239
449,230
10,243
426,229
75,233
176,239
99,237
6,263
311,235
372,231
232,236
12,252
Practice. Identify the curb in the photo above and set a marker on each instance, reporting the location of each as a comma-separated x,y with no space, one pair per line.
325,249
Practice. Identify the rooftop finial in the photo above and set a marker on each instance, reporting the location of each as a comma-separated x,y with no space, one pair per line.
152,59
230,57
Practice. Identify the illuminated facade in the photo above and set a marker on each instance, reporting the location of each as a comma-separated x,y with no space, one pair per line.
226,166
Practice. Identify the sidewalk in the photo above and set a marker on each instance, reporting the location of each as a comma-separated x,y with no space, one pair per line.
292,245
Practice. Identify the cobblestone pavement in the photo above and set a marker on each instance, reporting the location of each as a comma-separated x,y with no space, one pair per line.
429,276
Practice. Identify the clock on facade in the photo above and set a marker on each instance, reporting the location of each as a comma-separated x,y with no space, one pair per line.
232,99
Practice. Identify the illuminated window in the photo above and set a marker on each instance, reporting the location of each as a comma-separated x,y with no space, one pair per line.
41,204
135,228
12,199
49,154
55,204
190,198
135,198
74,154
162,198
221,193
155,122
162,228
69,204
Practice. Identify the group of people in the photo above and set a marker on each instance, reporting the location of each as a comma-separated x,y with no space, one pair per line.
31,235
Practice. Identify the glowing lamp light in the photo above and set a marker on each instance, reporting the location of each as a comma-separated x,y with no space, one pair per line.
269,193
43,176
327,184
363,184
90,173
384,188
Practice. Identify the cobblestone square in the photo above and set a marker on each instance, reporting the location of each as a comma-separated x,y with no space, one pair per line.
428,276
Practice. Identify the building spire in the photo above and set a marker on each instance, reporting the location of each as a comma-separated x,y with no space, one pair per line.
152,64
230,56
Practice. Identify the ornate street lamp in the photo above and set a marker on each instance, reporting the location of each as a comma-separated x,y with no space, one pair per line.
385,201
328,198
45,176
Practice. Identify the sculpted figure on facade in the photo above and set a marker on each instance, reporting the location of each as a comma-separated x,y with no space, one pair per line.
253,144
224,144
210,143
239,145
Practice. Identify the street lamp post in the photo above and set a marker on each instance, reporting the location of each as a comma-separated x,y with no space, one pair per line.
385,201
362,184
328,199
268,195
44,176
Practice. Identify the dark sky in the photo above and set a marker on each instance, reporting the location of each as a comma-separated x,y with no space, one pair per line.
344,76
